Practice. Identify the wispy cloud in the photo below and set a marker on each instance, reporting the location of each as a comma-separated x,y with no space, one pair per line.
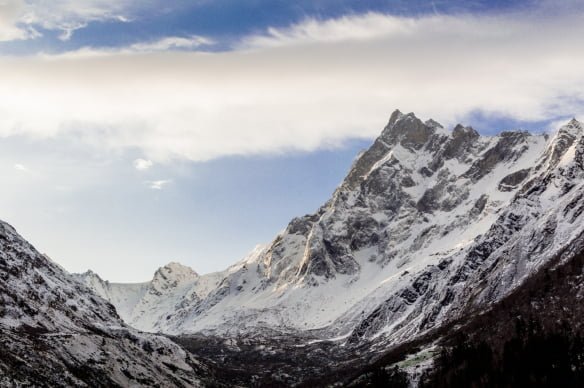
172,43
158,185
69,29
142,164
344,29
311,85
20,19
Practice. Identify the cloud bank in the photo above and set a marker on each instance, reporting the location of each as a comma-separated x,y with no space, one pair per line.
313,85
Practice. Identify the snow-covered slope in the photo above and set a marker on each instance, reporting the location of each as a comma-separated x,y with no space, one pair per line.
143,305
55,331
428,224
174,288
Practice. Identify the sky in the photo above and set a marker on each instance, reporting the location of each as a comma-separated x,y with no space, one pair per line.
133,134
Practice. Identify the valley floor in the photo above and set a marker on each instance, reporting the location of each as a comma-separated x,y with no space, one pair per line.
534,337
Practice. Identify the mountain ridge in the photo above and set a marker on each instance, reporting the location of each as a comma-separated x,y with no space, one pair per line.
366,263
54,331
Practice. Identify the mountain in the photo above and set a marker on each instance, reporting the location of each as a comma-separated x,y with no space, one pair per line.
56,332
442,259
428,226
430,244
144,305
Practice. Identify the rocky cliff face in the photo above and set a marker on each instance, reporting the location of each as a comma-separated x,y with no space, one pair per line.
540,220
428,225
55,331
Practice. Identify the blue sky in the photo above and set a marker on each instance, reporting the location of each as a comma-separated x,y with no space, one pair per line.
227,20
136,133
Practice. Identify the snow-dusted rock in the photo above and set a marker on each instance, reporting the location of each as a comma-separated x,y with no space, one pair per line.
55,331
428,225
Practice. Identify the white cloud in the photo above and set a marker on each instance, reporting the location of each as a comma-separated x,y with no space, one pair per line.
309,86
10,13
172,43
347,28
18,18
69,29
142,164
21,167
158,185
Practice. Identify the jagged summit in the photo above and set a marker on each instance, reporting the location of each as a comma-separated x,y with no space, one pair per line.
573,127
462,131
411,142
169,273
407,129
395,115
575,123
404,129
90,273
561,142
174,272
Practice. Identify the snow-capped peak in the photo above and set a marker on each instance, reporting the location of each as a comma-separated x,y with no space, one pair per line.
173,274
408,130
573,125
90,274
461,130
562,145
395,116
